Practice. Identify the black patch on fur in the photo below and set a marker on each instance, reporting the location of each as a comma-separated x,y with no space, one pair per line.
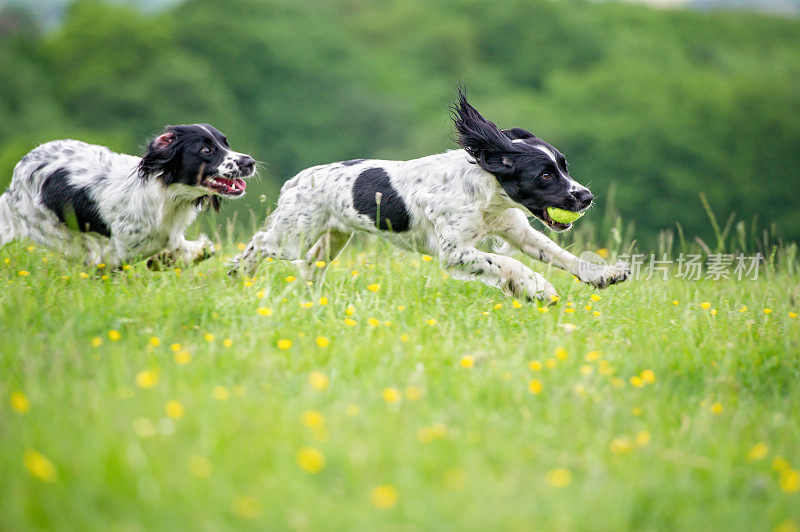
72,205
393,212
352,162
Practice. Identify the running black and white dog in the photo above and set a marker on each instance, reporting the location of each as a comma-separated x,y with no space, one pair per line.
104,207
446,204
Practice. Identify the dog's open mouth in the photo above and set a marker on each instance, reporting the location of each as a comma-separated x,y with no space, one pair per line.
549,222
225,186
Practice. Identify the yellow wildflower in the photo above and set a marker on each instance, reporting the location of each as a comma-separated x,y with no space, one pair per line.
758,452
350,322
516,304
247,507
593,355
227,342
290,279
20,403
323,301
467,361
642,438
620,445
559,478
535,386
535,365
390,395
716,408
319,381
320,264
767,310
373,322
264,311
384,496
146,379
374,287
595,297
350,310
174,409
154,341
431,322
637,381
114,335
413,393
313,419
284,343
310,460
427,258
323,342
183,357
39,466
648,376
705,305
790,480
97,341
561,353
220,393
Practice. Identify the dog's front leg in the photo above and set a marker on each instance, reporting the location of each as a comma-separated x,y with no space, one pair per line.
182,253
518,232
499,271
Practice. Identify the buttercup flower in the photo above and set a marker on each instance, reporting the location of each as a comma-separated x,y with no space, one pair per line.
705,305
174,409
146,379
319,381
374,287
97,341
310,460
183,357
535,386
323,342
384,496
758,452
19,403
467,361
114,336
39,466
284,343
391,395
559,478
264,311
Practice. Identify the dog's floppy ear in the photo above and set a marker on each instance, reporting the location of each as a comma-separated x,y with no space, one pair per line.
159,153
482,139
516,133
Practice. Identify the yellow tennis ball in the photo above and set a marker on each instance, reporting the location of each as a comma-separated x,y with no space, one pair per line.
562,216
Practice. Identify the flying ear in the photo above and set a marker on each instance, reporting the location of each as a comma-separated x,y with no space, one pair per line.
518,133
160,152
480,138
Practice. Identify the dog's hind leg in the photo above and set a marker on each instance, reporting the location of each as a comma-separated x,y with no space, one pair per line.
288,235
317,260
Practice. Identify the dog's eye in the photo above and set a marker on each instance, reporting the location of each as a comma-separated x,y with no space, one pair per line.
545,176
205,150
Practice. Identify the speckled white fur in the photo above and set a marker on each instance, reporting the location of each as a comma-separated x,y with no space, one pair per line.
143,215
454,207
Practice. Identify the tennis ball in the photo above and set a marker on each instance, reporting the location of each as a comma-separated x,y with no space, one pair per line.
562,216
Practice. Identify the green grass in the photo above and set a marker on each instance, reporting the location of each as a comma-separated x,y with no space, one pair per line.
723,383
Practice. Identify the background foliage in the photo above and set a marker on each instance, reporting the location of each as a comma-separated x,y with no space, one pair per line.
656,105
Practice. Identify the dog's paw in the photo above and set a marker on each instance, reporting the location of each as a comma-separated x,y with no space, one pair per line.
161,261
613,274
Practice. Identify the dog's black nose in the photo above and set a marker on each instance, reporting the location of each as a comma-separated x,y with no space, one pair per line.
584,197
246,163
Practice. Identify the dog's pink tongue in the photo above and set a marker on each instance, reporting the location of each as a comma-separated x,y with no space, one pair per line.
240,184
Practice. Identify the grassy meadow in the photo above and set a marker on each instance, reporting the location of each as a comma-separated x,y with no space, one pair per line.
393,398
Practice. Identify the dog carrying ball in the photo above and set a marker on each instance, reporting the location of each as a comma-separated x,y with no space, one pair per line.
562,216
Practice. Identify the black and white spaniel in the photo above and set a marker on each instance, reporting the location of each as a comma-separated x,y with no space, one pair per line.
104,207
446,204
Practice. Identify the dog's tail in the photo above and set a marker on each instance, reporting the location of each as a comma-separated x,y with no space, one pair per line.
7,226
